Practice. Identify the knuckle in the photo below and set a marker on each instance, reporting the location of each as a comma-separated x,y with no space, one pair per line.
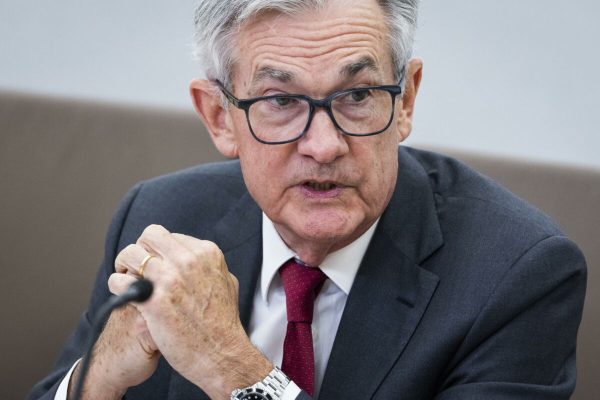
206,254
114,283
148,230
210,246
130,248
154,227
234,279
212,252
152,230
124,253
111,282
125,257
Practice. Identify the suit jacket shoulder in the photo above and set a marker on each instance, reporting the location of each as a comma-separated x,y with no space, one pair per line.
458,185
198,195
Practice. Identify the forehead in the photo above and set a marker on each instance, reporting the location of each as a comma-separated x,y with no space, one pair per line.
319,46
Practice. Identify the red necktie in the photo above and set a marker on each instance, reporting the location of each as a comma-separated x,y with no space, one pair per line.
301,284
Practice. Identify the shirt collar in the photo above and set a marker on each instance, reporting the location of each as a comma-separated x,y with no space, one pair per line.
340,266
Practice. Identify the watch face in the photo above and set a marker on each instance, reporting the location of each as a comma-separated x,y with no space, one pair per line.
254,394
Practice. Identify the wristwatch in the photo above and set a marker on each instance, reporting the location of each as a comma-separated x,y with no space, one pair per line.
270,388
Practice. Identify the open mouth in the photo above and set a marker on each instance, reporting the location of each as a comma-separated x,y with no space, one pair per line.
320,187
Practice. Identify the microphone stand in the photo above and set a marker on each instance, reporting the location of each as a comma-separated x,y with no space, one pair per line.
138,291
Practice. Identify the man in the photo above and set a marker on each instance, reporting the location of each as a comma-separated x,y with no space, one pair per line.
429,281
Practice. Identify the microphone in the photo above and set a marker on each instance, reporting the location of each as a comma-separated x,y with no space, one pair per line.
139,291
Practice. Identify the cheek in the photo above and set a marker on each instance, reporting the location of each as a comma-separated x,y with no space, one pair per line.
253,170
263,169
252,156
383,171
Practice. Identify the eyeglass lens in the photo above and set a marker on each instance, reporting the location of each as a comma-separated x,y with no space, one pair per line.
358,112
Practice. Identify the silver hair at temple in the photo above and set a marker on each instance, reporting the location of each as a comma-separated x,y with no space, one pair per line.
217,22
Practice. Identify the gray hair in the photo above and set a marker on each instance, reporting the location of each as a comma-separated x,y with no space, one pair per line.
217,22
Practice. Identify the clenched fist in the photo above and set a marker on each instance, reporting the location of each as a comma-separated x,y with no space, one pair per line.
192,318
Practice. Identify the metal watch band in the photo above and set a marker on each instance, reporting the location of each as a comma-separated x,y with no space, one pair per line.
274,385
276,382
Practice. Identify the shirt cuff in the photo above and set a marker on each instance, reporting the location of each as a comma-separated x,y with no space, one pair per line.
63,388
291,391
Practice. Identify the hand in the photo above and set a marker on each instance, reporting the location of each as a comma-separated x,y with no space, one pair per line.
125,354
193,314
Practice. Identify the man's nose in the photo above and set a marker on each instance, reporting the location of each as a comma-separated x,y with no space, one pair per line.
323,142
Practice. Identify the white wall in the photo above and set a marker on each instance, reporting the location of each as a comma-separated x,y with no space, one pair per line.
132,50
512,77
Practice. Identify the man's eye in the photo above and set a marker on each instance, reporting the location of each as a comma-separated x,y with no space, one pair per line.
281,101
356,96
360,95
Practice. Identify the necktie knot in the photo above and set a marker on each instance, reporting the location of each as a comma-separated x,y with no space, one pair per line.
301,284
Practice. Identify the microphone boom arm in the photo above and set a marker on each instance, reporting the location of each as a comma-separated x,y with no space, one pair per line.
138,291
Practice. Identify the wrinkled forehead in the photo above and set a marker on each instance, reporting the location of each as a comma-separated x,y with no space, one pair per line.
337,41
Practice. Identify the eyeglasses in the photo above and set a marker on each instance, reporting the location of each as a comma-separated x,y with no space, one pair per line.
284,118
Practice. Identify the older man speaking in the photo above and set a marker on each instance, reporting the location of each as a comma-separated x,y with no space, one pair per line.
327,261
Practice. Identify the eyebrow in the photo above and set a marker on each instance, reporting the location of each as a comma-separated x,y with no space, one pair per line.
272,73
348,71
352,69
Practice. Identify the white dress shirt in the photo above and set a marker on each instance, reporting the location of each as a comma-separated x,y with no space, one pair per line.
268,323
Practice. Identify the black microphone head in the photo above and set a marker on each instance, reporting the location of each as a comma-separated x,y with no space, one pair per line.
143,290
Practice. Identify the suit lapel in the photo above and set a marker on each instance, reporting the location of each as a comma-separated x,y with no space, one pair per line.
390,293
239,236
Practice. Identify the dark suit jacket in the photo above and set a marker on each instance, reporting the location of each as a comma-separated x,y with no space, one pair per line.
465,291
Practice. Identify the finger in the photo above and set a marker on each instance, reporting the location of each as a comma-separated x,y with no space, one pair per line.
189,242
156,239
203,249
130,259
179,252
138,328
118,283
207,249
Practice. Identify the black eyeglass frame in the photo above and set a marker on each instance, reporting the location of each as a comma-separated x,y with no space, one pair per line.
245,104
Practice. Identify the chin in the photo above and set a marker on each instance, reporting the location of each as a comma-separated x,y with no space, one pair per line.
330,227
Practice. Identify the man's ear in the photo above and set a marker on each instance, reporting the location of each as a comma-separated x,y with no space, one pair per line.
414,73
207,102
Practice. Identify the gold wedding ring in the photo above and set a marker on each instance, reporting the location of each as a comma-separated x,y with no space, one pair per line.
143,265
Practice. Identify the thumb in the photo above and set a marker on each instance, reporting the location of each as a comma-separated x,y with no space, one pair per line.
137,328
118,283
